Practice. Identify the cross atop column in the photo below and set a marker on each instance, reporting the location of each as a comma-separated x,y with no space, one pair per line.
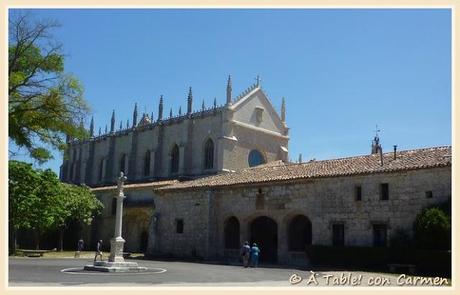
120,183
258,80
377,130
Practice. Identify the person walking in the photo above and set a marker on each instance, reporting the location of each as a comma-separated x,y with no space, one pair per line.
80,246
255,251
98,250
245,252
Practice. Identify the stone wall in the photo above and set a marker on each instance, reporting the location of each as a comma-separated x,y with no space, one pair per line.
324,201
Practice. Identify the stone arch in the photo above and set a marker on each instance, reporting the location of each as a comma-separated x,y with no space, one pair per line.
232,233
264,232
299,233
174,164
208,154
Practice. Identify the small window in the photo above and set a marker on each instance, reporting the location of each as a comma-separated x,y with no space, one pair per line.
338,234
380,235
122,163
147,164
114,206
101,170
175,159
429,194
358,193
259,114
209,154
384,193
179,226
255,158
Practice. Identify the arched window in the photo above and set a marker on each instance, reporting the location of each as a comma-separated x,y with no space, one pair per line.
175,159
147,164
72,168
255,158
101,170
122,163
209,154
232,233
299,233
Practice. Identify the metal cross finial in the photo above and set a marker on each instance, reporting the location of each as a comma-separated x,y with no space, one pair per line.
377,130
258,80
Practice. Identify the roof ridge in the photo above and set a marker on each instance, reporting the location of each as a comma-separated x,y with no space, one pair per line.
373,155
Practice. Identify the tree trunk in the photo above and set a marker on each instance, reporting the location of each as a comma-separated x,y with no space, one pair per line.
37,240
61,240
15,241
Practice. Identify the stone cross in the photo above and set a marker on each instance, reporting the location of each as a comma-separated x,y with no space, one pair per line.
258,80
117,243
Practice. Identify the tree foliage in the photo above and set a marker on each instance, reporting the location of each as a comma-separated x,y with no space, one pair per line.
44,102
433,229
39,201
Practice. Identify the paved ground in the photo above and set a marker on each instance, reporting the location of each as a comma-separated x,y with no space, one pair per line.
48,272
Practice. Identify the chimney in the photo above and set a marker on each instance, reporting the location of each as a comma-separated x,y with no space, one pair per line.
394,152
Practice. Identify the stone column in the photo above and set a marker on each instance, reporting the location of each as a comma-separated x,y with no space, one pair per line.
117,243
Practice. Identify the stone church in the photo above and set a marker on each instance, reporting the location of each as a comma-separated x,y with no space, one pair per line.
203,182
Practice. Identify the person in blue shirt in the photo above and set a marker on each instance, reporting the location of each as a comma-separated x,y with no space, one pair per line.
255,255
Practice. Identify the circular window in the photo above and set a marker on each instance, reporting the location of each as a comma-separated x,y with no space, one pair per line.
255,158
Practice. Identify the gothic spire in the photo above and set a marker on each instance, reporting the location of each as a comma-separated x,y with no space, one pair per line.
105,129
180,110
160,109
170,113
100,131
91,127
202,106
189,101
283,110
112,122
135,115
300,158
215,102
229,90
121,124
151,117
127,124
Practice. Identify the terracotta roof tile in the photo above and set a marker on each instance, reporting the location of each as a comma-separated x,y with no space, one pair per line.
276,171
153,184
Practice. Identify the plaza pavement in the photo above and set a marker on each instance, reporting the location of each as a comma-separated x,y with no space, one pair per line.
25,271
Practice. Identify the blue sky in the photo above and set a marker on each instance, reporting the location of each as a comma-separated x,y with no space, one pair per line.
342,71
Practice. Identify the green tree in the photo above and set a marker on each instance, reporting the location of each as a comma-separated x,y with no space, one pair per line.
79,205
22,198
38,200
44,102
433,229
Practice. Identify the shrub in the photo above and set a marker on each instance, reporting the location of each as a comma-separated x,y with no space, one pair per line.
432,229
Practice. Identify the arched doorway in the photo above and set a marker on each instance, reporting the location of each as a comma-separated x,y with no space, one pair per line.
299,233
264,232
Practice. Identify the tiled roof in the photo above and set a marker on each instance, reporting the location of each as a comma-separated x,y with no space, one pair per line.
153,184
278,171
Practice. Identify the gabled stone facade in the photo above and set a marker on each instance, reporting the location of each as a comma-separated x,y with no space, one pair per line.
212,140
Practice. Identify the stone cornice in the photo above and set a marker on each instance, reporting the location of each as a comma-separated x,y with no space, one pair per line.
255,128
